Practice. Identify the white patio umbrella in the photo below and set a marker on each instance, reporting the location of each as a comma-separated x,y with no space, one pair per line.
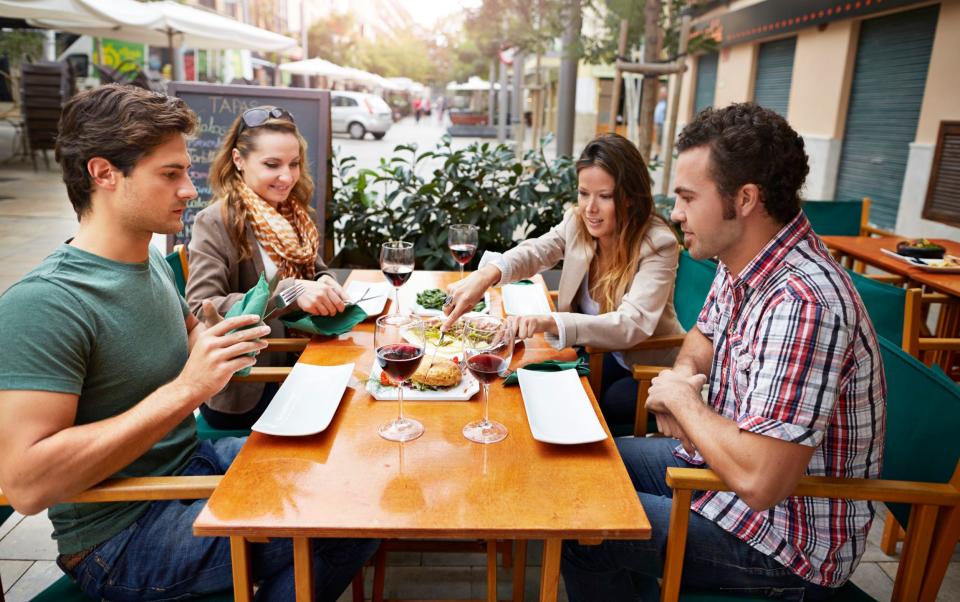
156,23
314,66
474,84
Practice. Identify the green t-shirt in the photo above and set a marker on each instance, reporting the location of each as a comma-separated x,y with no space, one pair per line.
111,333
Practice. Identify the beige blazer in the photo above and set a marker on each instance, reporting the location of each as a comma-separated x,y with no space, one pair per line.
217,274
645,310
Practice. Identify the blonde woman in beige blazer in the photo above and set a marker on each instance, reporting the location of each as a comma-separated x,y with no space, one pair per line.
259,223
619,266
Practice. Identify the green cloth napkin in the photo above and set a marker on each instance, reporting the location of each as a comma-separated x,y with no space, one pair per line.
524,281
580,365
325,325
254,302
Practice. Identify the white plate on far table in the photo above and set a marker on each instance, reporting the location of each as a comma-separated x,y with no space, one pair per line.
423,311
377,293
306,401
947,265
524,299
468,387
558,409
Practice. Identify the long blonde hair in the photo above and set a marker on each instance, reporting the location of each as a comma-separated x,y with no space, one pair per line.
634,210
225,179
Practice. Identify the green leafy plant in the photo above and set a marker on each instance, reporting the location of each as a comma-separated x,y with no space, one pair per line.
414,195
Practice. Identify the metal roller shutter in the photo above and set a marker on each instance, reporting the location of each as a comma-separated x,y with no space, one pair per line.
771,87
706,82
893,57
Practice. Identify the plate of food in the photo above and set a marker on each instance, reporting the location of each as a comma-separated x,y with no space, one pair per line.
920,248
430,303
440,380
948,263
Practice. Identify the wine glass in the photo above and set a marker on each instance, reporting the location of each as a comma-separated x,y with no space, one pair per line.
462,240
396,262
399,342
488,349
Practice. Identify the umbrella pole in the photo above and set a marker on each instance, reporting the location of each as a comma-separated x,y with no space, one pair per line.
176,61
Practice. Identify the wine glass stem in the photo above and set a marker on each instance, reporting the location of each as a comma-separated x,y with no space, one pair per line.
400,401
486,402
461,270
396,290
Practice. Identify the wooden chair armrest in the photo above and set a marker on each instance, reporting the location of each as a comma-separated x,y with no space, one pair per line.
904,492
928,298
658,342
295,345
265,374
647,372
873,231
554,296
142,489
937,344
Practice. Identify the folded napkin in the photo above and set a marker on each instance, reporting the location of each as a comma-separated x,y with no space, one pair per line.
325,325
524,281
254,302
581,365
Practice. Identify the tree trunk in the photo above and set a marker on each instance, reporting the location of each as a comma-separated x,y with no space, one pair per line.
651,84
567,87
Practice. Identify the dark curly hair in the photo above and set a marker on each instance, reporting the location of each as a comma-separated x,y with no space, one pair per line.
122,124
750,144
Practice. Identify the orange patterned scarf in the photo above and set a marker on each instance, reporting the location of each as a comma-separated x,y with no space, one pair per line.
289,235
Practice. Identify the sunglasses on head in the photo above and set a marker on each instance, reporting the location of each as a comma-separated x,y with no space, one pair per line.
252,118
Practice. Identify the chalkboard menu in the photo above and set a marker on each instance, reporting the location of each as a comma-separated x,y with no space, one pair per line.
217,106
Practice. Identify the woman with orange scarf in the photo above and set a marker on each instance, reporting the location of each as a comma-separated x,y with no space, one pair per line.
260,222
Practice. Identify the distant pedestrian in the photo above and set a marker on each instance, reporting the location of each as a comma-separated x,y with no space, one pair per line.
659,117
417,109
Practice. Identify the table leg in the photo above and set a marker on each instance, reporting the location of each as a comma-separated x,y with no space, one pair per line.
491,570
550,571
302,569
240,560
520,570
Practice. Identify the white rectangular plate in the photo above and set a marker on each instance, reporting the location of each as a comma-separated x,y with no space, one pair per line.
306,401
558,409
423,311
467,388
378,291
524,300
928,265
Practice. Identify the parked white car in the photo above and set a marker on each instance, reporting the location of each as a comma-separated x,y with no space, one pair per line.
357,113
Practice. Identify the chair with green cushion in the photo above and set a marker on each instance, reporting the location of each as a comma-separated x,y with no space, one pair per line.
178,263
837,218
920,473
694,278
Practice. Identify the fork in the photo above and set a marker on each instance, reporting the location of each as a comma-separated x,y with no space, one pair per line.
283,299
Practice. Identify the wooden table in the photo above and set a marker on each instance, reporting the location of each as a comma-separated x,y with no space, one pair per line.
869,251
349,482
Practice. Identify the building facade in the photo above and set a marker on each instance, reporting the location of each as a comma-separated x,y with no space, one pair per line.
867,83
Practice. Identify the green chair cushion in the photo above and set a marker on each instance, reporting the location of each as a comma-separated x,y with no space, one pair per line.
179,278
834,218
205,431
694,277
65,590
884,303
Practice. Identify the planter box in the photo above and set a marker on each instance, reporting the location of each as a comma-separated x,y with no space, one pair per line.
468,118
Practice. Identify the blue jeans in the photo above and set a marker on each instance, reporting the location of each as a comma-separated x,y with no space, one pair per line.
158,557
618,392
715,560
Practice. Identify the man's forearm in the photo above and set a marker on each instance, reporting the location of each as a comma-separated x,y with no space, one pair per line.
74,459
696,354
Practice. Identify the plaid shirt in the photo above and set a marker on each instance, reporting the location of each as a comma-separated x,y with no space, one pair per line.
795,357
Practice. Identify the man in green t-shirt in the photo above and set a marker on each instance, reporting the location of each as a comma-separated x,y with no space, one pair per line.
102,366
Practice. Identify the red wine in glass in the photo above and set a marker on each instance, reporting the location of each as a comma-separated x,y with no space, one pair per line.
399,361
397,275
486,367
462,254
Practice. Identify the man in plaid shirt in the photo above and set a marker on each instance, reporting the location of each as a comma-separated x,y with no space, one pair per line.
796,386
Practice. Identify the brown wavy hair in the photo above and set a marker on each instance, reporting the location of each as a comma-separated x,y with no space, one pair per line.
634,210
225,179
122,124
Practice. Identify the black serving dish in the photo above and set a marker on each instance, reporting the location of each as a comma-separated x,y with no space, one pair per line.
920,249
